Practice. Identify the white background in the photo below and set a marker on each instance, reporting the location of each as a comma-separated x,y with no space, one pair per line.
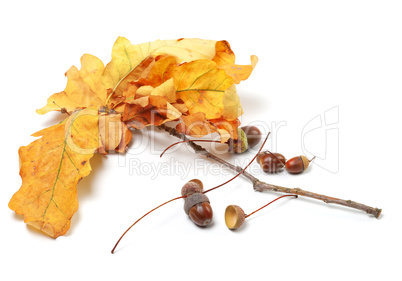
339,57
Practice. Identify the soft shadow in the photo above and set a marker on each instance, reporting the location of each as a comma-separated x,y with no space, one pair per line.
54,118
250,100
85,188
31,229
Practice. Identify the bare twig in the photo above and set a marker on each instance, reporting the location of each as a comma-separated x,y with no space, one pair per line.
263,186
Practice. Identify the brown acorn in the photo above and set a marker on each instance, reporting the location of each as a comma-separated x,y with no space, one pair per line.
298,164
201,214
271,162
253,135
196,204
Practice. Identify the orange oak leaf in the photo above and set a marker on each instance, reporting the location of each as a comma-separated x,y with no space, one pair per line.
50,170
158,73
142,101
149,110
180,107
195,125
125,138
226,128
225,59
138,117
147,105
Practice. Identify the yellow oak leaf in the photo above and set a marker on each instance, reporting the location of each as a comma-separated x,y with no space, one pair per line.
84,88
231,104
201,85
127,56
172,113
225,59
50,170
166,89
185,49
144,91
139,71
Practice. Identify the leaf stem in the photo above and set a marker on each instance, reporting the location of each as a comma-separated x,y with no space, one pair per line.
121,237
170,146
270,203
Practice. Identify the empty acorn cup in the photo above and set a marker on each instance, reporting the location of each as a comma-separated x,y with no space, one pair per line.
235,216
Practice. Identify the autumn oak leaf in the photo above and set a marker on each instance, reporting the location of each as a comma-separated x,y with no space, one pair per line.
84,88
50,170
201,85
225,59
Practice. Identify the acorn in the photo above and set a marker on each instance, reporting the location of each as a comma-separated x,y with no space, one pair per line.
271,162
196,204
298,164
234,216
253,135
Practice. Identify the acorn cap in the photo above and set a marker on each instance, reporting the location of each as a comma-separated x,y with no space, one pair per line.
243,143
191,187
306,162
234,216
198,182
193,200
